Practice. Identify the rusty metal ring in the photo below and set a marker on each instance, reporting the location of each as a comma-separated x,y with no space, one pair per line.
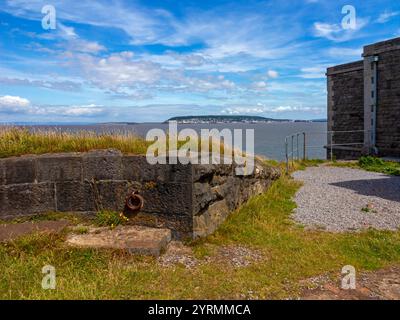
135,202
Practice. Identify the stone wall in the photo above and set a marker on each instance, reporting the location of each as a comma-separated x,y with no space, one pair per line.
388,108
191,200
353,106
346,106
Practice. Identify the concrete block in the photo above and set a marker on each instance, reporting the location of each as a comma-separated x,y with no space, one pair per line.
10,232
60,167
20,170
74,196
134,239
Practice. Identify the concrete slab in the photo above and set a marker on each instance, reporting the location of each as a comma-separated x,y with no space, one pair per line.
9,232
134,239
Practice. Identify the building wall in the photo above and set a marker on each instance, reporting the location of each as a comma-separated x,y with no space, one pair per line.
345,105
350,106
388,109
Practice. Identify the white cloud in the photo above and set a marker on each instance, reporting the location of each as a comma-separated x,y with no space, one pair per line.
386,16
313,72
126,75
272,74
263,109
259,85
84,110
282,109
345,52
191,60
66,32
75,43
13,104
55,85
326,30
118,70
143,26
243,110
336,32
19,105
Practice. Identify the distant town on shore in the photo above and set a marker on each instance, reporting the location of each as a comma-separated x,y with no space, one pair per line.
233,119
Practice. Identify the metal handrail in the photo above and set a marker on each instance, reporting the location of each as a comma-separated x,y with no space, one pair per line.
293,150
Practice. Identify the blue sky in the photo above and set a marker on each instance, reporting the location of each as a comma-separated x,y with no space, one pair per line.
150,60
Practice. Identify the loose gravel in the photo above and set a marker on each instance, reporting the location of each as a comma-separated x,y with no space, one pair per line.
345,199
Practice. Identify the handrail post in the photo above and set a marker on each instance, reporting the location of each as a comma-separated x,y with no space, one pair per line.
297,146
287,155
292,150
304,146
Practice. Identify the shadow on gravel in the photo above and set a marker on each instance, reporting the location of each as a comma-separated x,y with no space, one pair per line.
386,188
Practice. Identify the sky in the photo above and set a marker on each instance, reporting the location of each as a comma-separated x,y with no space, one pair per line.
147,61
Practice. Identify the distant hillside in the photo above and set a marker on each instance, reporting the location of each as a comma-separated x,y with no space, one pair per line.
319,120
223,119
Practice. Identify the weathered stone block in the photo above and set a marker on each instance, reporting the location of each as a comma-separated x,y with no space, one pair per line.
28,199
136,168
112,194
3,201
208,222
180,226
75,196
2,172
102,165
203,195
60,167
168,198
206,172
20,170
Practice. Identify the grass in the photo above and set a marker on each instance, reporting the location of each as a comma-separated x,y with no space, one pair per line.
372,164
290,254
17,141
108,218
73,218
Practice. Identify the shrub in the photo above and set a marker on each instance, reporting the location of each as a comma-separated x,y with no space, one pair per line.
108,218
378,165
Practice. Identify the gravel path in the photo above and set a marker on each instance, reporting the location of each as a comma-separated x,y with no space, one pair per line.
345,199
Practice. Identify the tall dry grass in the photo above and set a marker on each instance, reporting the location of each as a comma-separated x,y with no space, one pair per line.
16,141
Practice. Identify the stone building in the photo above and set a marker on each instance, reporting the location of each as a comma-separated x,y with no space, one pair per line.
364,98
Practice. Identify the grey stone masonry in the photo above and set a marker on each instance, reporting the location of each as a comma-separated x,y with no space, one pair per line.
365,95
191,200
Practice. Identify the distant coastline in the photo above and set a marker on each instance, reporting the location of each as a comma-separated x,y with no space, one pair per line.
207,119
232,119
